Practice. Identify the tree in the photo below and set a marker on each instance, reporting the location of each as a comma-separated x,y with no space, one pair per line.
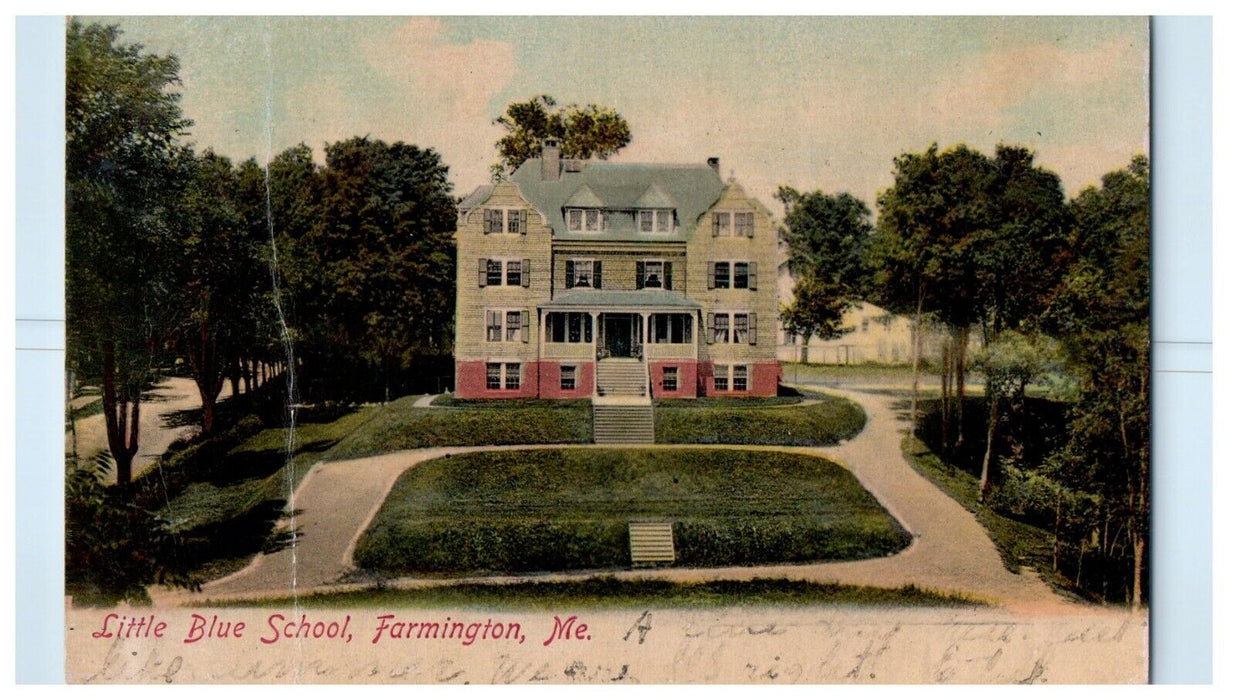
1010,361
122,119
1101,313
384,254
217,268
922,254
583,132
825,236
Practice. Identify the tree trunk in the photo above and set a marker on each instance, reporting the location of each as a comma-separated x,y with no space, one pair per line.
117,407
1055,536
946,410
1139,552
993,398
963,339
918,354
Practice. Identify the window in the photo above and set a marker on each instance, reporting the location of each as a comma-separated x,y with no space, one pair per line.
654,274
506,324
742,328
665,221
646,218
575,219
512,326
744,224
492,275
567,382
573,327
506,221
721,328
501,375
592,220
671,328
720,325
738,223
740,377
669,379
583,273
659,220
730,378
742,275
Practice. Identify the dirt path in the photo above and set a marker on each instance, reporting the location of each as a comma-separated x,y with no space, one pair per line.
170,396
951,552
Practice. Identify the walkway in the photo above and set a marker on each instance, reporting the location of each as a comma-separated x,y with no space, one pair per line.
950,552
155,434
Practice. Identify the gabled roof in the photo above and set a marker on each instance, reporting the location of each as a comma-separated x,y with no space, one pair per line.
689,189
584,198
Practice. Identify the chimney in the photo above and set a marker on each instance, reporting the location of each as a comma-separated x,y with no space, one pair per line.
715,164
551,156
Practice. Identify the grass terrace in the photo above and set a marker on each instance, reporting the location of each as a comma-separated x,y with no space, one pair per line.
568,510
808,420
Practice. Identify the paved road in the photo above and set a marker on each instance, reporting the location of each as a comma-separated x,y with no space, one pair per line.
170,396
950,552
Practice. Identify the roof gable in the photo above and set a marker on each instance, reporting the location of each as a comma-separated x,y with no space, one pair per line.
689,189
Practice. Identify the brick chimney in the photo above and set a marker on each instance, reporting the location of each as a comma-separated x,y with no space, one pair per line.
715,163
551,158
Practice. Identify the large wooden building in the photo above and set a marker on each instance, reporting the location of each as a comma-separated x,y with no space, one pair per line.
583,278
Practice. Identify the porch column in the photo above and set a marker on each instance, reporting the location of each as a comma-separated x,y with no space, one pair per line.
596,332
695,333
646,334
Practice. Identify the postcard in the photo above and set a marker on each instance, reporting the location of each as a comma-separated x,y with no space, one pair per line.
607,350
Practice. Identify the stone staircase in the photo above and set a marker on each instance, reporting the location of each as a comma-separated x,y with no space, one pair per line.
622,409
622,377
651,542
621,422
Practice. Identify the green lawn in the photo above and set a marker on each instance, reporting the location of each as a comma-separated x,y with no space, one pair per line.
758,421
226,512
564,510
401,426
610,592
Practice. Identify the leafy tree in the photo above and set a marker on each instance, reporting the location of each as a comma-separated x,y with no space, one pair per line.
122,119
217,267
825,236
1101,314
922,254
583,132
1010,362
113,547
384,254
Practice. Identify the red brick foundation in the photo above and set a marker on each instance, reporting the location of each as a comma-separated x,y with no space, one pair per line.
470,382
687,381
551,380
765,376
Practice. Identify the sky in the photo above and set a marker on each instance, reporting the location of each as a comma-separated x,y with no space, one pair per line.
815,103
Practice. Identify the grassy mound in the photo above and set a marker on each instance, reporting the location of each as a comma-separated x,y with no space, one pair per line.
759,421
564,510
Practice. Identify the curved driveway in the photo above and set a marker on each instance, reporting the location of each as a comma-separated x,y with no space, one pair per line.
950,552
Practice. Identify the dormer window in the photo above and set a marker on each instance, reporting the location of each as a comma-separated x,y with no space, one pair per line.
585,220
656,220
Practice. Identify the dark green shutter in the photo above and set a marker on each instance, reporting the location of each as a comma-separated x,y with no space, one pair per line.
639,274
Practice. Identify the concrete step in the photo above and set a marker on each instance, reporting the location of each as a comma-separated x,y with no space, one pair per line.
651,543
622,423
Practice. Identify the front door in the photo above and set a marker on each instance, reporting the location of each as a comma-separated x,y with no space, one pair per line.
618,333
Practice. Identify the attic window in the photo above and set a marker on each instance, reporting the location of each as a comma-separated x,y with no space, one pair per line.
584,220
659,220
